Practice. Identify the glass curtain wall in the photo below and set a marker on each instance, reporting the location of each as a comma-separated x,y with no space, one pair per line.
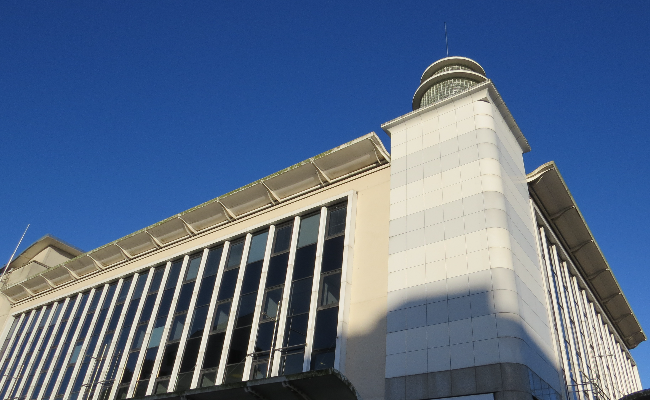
151,346
97,330
179,317
190,353
53,348
236,360
257,306
40,347
14,373
101,355
70,335
271,302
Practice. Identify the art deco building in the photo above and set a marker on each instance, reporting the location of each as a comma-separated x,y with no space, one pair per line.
438,270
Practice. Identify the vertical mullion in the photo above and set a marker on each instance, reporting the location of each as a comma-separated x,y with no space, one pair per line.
589,354
233,310
75,335
555,302
14,350
163,338
258,303
100,339
55,359
208,321
570,280
346,282
25,346
596,343
286,293
15,336
188,321
152,320
134,326
557,265
84,346
118,330
38,345
49,344
315,287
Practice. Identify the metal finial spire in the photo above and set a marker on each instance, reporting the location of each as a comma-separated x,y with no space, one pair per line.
446,41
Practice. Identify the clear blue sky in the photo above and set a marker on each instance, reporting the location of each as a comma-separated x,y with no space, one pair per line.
115,115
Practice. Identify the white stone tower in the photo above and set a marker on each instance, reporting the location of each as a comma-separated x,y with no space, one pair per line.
467,305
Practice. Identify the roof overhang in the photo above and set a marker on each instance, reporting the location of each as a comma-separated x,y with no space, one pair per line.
552,196
314,385
338,164
41,244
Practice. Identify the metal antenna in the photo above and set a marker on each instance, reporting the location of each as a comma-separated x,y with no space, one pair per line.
446,40
13,254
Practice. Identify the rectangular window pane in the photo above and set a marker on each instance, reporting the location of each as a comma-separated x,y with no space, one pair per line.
282,239
304,262
336,220
193,267
191,353
167,363
271,303
300,296
212,264
277,271
265,336
325,331
156,333
330,290
296,330
234,256
257,247
308,230
185,297
252,276
174,272
292,363
332,254
228,284
205,291
213,350
246,310
239,345
198,322
177,327
221,314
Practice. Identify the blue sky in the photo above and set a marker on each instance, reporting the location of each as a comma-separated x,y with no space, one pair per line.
115,115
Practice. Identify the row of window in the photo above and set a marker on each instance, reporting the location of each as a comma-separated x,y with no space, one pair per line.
595,366
262,305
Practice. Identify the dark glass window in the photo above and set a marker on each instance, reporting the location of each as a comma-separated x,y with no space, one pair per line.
246,310
221,314
185,297
198,322
176,329
300,296
332,254
303,264
205,291
191,354
234,256
271,304
336,220
239,345
213,350
212,263
292,363
296,330
308,230
265,336
251,277
282,239
257,247
277,271
325,331
228,284
330,289
167,363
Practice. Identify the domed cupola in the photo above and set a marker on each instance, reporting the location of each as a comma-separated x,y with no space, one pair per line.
445,78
